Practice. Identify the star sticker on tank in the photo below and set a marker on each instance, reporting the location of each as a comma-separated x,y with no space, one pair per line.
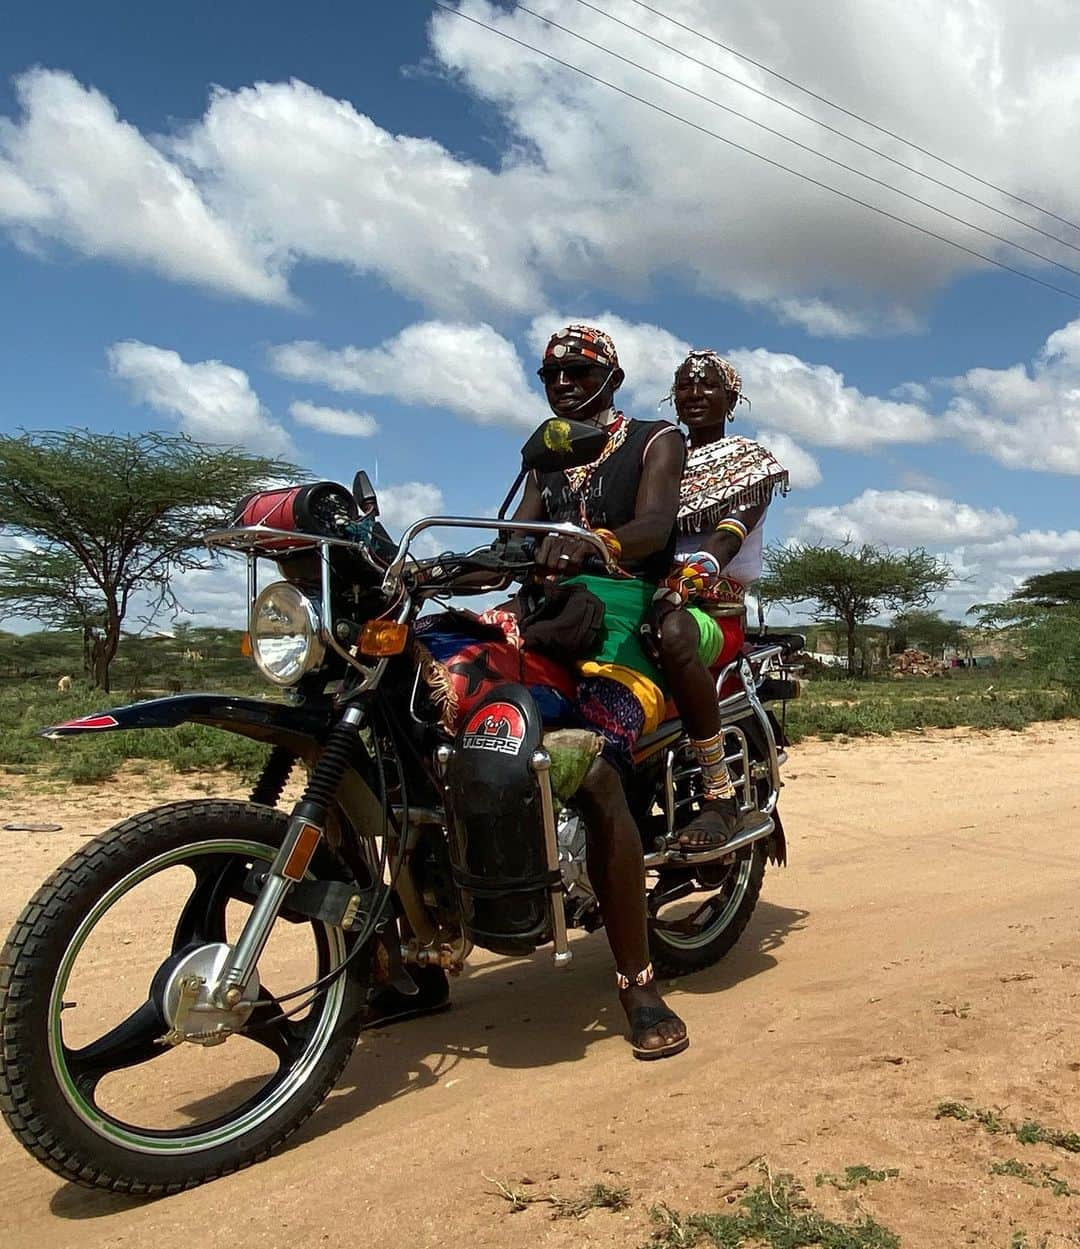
475,671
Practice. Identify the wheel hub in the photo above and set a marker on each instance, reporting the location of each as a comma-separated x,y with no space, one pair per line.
187,1003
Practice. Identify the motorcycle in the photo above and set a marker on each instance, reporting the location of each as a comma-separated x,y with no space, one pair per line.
409,846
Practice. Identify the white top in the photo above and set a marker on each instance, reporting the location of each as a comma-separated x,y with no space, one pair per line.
746,567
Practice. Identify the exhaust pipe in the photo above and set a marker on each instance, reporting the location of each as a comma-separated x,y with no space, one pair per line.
756,827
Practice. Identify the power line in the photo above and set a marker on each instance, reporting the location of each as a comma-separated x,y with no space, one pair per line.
768,160
813,151
1019,199
867,147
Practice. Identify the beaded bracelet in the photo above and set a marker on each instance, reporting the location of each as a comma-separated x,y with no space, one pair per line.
612,543
735,528
698,572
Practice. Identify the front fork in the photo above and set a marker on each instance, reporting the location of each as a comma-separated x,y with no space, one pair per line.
306,828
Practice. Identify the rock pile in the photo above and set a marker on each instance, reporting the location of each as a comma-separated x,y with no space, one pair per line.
913,663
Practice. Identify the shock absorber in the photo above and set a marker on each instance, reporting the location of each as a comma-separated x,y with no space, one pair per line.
274,777
302,839
327,773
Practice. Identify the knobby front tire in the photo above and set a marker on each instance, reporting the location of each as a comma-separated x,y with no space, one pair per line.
46,1097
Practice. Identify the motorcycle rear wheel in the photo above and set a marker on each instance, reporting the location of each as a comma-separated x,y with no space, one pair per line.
47,1088
698,940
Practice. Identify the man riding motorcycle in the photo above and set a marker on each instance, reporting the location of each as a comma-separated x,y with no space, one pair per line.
446,807
629,497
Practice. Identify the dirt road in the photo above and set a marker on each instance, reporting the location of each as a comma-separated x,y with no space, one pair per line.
923,946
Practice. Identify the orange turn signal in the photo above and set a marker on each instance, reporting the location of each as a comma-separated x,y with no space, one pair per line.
245,645
383,637
304,847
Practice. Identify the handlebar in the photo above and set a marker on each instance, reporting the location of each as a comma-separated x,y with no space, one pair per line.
524,552
537,529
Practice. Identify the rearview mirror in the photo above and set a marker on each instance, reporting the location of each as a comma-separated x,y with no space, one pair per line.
560,444
364,494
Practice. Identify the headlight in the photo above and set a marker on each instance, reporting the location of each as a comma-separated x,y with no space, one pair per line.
284,628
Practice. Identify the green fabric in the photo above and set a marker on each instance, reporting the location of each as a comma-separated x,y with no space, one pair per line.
625,603
626,600
710,636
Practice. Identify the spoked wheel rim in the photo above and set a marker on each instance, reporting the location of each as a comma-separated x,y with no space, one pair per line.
707,916
298,1045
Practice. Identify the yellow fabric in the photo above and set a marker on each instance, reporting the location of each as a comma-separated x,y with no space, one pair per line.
647,692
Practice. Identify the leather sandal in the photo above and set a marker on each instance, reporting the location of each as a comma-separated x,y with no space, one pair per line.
716,823
643,1020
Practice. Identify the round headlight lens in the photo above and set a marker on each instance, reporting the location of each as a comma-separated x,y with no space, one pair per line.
284,629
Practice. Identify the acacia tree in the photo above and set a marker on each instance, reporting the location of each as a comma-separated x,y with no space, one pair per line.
95,522
851,585
1041,619
928,628
1050,589
53,587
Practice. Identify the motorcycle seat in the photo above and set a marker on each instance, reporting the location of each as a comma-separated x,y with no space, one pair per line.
791,643
669,728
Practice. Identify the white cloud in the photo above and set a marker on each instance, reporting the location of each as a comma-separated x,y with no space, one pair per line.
404,504
1025,418
989,572
216,595
996,92
826,320
73,171
470,370
803,470
987,553
349,424
325,182
906,518
212,401
1035,550
915,391
587,188
400,506
814,403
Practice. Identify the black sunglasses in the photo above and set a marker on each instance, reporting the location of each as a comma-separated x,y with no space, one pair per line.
576,371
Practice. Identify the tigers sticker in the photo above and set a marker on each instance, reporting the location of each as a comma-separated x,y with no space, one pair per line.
499,727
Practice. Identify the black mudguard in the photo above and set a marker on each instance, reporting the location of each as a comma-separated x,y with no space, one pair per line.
296,728
776,846
497,830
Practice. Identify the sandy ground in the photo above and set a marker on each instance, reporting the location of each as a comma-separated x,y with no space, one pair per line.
922,945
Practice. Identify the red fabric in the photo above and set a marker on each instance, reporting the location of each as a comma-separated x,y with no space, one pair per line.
475,670
734,637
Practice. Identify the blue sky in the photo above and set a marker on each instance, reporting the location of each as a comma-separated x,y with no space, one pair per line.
265,224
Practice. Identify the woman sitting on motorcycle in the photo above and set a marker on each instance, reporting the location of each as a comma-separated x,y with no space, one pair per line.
695,622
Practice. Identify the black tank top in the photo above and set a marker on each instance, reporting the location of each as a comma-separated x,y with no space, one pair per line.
610,495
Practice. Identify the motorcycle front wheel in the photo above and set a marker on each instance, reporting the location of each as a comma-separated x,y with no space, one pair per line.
89,1082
